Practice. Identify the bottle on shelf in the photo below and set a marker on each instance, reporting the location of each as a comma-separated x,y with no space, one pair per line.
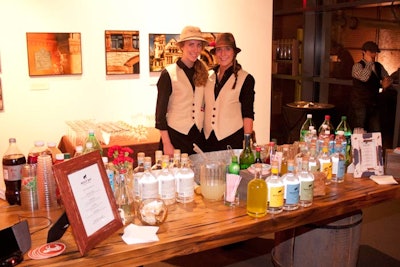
13,161
275,190
95,143
306,192
257,194
166,182
344,126
184,181
306,126
148,183
233,179
292,187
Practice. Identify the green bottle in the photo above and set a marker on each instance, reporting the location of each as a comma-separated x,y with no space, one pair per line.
234,167
247,155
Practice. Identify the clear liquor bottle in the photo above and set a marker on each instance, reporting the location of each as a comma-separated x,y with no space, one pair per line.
275,190
184,181
124,200
338,160
292,187
166,182
306,185
325,163
137,174
257,194
148,183
156,168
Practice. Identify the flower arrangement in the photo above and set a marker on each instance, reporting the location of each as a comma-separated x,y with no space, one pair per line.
121,159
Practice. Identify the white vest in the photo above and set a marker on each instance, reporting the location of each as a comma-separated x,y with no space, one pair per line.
185,106
223,115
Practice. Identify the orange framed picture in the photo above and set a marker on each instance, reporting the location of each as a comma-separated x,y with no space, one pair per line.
54,53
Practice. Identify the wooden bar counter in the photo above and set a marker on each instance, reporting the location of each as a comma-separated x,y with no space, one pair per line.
200,226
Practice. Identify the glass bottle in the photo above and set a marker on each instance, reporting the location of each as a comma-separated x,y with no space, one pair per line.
305,126
284,161
233,179
258,155
148,183
257,194
184,181
166,182
292,186
313,162
271,153
95,143
88,148
156,168
338,160
325,163
124,200
246,156
175,164
306,179
275,186
137,174
13,160
110,172
344,126
78,151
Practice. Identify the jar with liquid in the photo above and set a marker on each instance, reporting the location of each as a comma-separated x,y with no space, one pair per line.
212,180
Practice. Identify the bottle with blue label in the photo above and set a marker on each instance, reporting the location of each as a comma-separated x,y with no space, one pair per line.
292,186
110,172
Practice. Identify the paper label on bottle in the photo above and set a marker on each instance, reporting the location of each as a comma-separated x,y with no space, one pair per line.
275,196
12,173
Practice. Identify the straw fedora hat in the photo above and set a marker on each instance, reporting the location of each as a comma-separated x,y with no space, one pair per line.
192,33
225,39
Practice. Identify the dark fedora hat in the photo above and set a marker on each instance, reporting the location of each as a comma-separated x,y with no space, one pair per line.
225,39
370,46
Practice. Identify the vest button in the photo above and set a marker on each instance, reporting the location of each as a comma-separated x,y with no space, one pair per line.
214,108
212,122
213,116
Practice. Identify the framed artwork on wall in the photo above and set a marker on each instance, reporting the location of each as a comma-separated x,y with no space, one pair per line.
163,50
122,52
54,53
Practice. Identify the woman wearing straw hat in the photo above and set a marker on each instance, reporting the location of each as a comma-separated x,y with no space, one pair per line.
180,100
229,98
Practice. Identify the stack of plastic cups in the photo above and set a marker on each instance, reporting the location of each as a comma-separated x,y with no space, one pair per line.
46,184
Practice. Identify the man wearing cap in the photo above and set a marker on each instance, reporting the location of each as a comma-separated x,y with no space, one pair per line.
229,98
180,100
369,79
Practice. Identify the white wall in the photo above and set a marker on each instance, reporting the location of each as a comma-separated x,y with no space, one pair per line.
31,115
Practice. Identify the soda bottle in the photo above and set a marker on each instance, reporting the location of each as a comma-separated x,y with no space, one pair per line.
344,126
306,126
37,149
13,160
95,143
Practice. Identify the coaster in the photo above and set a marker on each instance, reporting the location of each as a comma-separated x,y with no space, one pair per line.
47,251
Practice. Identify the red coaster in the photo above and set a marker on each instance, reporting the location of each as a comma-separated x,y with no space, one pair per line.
47,250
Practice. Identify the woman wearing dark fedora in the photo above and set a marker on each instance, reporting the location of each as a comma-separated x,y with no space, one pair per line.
180,100
229,98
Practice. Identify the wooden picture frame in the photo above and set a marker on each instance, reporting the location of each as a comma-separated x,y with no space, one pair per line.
54,53
88,199
367,154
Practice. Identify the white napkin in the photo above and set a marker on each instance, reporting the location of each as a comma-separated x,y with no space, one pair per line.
135,234
383,179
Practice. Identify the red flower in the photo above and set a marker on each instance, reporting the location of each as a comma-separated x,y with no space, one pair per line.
120,155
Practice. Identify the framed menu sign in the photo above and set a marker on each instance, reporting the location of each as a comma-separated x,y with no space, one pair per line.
367,154
88,199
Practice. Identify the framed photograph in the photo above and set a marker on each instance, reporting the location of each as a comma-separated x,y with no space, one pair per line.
88,199
54,53
122,52
367,154
163,50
